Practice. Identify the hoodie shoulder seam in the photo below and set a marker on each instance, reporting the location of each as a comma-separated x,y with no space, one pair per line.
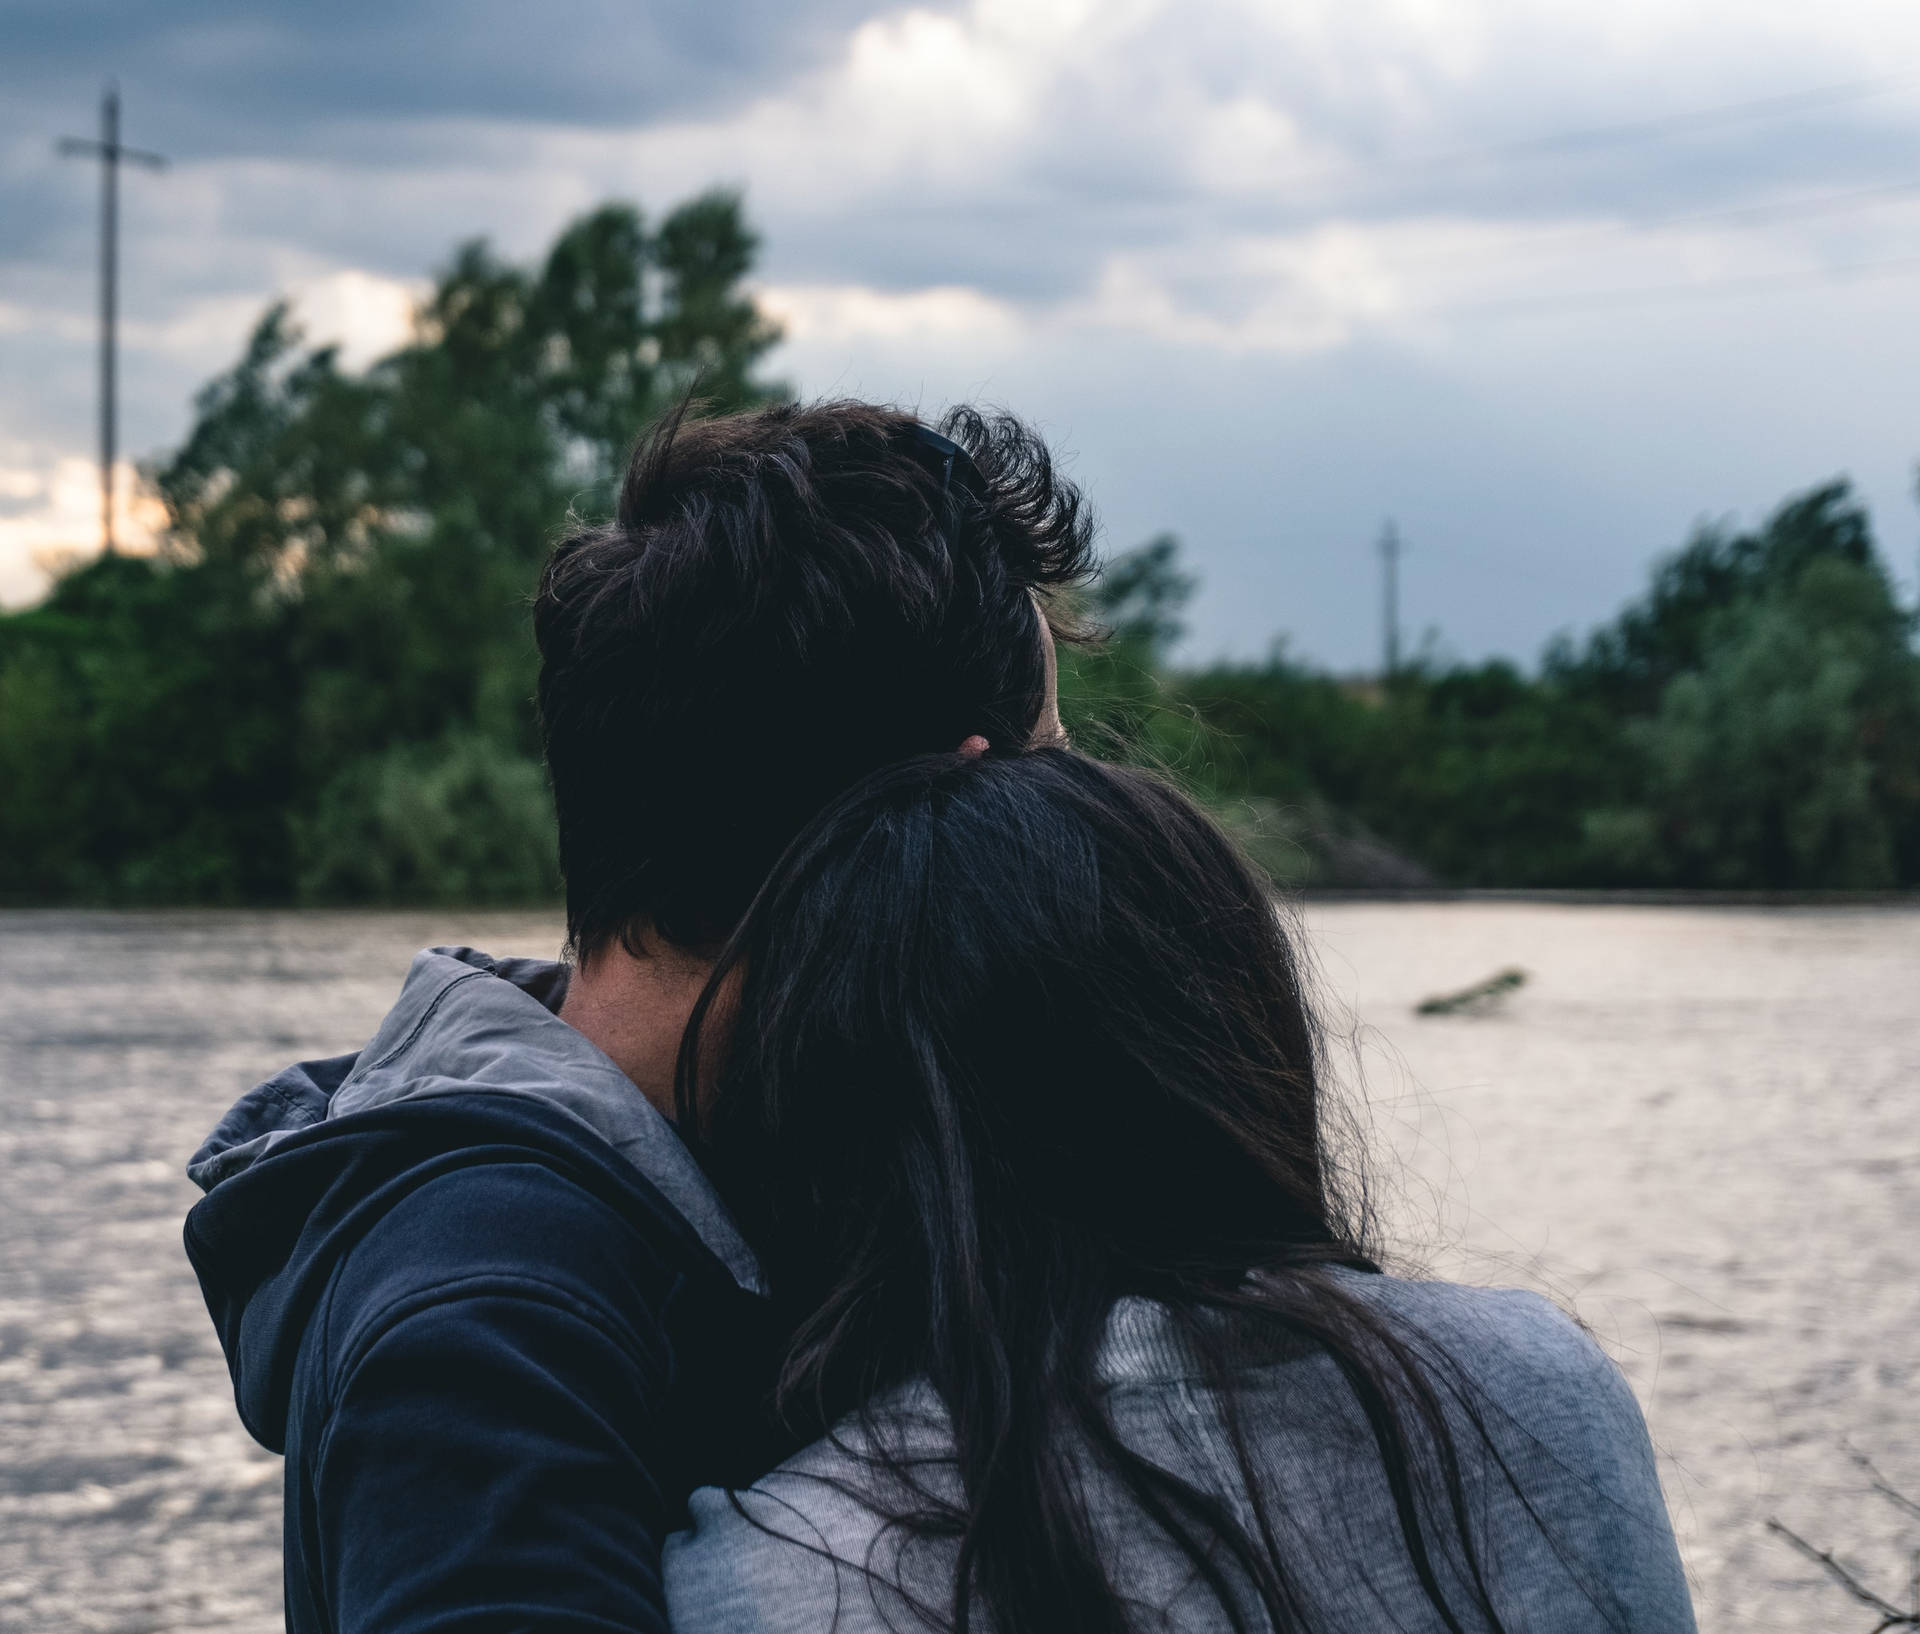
299,1110
425,1016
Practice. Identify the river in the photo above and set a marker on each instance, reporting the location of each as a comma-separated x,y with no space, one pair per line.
1697,1128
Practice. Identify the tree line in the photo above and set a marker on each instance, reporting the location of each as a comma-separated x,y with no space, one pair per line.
319,690
1750,721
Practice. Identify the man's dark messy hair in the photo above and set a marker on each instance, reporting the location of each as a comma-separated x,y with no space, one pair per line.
785,600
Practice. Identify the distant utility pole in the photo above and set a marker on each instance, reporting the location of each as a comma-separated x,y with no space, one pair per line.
110,154
1390,549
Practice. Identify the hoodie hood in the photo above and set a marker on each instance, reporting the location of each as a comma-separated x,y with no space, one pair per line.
472,1066
468,1023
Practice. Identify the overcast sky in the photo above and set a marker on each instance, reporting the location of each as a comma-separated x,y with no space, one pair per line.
1545,282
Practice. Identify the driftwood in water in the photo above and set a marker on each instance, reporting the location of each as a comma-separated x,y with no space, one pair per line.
1476,1000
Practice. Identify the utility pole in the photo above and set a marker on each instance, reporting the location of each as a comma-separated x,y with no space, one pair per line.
110,154
1390,549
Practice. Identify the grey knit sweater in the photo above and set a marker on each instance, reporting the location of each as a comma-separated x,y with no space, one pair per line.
1573,1534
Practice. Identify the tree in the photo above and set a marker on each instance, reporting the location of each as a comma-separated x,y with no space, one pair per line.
1629,662
333,643
1781,748
1788,758
1113,696
321,688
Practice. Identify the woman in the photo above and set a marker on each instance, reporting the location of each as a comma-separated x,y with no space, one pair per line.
1086,1333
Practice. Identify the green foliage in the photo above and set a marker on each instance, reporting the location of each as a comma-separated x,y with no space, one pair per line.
322,687
1791,755
320,691
1753,722
461,820
1212,732
1630,662
1115,697
1473,775
1772,704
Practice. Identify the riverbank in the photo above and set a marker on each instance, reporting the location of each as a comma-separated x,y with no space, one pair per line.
1694,1126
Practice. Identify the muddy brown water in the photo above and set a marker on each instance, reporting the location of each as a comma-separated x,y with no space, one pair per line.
1698,1128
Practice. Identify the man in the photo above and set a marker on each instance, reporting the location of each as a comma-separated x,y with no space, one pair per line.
469,1279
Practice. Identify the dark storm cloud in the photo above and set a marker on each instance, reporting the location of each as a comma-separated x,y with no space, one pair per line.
1275,210
221,77
373,88
362,89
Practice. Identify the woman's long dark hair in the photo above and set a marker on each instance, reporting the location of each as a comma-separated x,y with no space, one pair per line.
1024,1035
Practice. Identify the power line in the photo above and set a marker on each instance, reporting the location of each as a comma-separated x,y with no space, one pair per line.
1773,210
1622,133
1808,204
1812,204
1764,283
1519,241
111,154
1642,130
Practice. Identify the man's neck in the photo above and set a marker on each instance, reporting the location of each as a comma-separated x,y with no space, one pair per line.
634,1009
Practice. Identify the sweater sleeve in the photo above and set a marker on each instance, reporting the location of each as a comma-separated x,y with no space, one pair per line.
1578,1445
491,1444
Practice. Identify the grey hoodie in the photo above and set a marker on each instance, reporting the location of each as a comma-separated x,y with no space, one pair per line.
1576,1542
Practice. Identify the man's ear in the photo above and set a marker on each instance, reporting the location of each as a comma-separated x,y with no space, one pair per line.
1047,730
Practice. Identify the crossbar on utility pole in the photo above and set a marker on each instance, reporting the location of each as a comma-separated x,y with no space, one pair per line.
111,154
1390,549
